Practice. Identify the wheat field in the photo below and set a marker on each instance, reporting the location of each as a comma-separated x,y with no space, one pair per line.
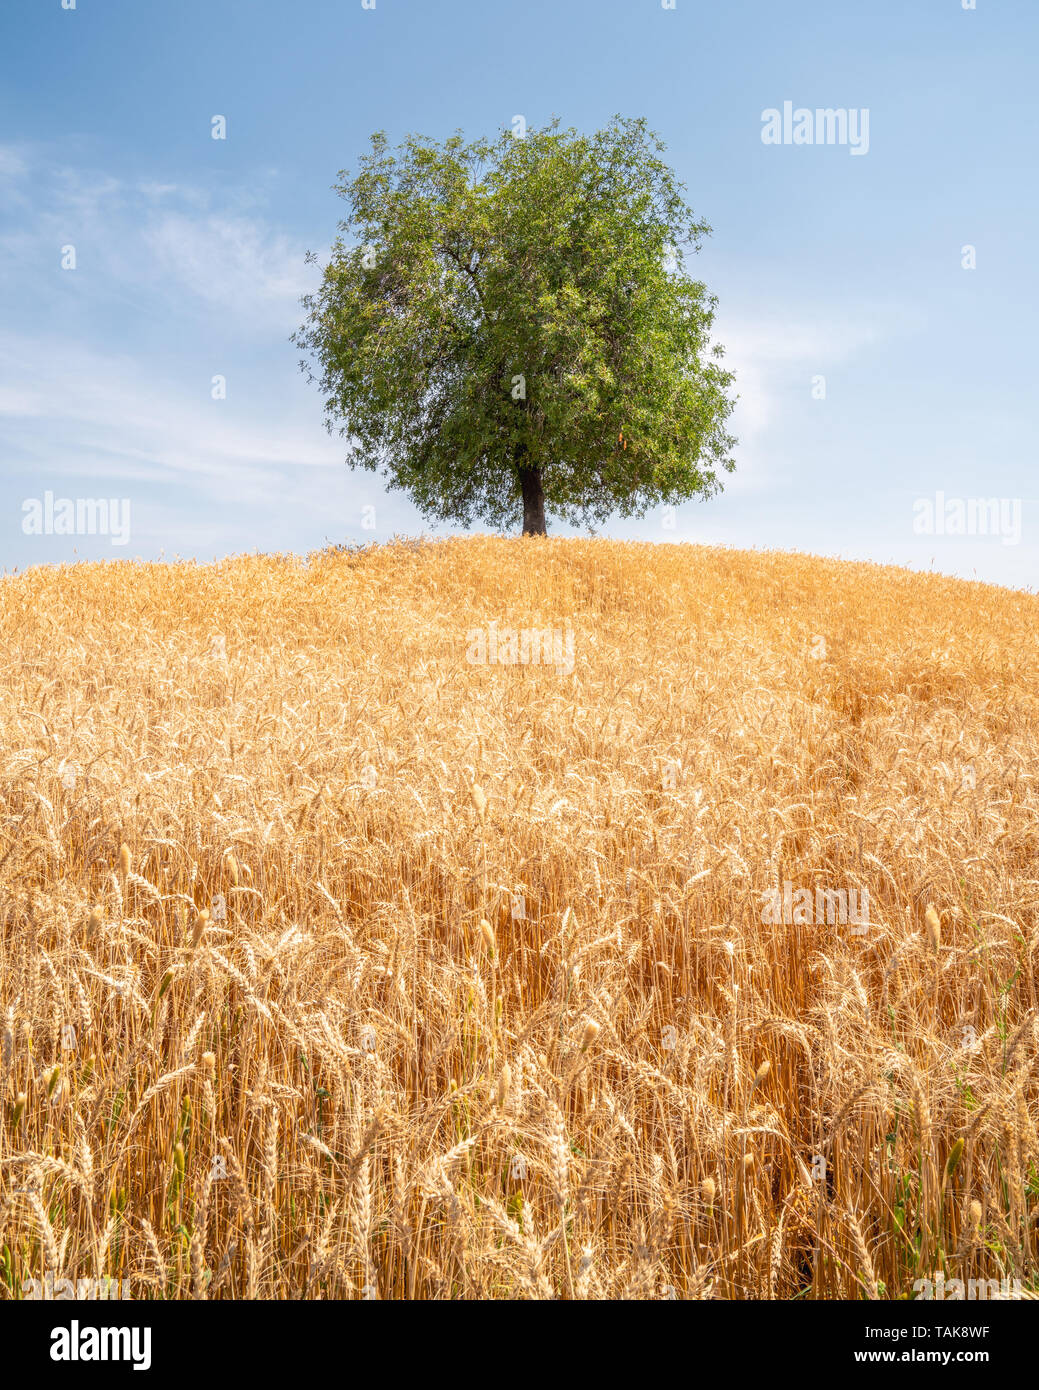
335,963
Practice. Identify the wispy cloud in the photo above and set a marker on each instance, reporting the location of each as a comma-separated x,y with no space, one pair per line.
154,239
775,356
12,163
114,405
231,263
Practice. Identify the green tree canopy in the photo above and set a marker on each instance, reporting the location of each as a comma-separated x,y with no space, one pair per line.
509,321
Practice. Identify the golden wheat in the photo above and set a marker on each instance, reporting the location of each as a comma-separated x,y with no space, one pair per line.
333,964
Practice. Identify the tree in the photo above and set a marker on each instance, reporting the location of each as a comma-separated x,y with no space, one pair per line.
511,321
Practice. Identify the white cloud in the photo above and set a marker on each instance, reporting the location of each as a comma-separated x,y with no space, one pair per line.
231,263
114,415
160,240
12,162
775,355
156,191
207,279
21,401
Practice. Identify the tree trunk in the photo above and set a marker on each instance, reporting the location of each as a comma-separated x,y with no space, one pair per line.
533,502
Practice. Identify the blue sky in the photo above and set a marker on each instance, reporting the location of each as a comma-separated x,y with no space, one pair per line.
189,254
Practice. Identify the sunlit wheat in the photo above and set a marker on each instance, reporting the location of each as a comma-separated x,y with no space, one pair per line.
335,965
